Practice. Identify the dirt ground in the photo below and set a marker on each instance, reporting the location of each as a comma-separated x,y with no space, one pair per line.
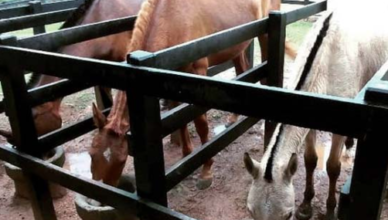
225,199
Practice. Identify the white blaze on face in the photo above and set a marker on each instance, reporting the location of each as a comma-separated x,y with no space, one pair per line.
107,154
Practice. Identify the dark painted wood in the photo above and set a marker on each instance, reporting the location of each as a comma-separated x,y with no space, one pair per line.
106,194
214,70
24,136
344,201
306,11
13,24
147,148
48,7
183,114
379,76
180,55
36,8
55,90
179,171
331,113
296,2
55,40
49,141
370,170
276,43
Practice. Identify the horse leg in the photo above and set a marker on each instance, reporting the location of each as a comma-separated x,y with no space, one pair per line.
175,137
310,158
241,64
202,127
206,176
333,165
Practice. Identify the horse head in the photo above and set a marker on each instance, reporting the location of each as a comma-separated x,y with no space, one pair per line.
271,200
46,118
109,150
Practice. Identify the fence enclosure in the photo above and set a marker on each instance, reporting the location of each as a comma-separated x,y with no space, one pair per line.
150,76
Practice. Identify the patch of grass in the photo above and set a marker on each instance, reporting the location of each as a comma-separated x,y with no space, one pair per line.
297,31
29,32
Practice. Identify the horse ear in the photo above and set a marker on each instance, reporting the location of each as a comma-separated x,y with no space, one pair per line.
98,118
291,167
251,165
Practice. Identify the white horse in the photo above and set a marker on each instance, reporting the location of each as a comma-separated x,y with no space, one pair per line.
346,47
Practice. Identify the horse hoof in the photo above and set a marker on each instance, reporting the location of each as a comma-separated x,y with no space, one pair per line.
204,183
304,212
330,216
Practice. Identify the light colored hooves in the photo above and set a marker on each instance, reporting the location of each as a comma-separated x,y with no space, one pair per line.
304,212
204,183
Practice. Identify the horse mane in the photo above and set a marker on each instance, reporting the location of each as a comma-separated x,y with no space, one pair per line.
306,70
70,22
142,23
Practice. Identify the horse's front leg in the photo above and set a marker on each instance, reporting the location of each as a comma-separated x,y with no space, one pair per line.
334,169
310,158
241,64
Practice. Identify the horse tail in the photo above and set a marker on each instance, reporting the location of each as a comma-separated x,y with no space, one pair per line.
142,23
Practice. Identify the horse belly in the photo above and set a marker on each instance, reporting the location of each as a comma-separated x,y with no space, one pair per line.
228,54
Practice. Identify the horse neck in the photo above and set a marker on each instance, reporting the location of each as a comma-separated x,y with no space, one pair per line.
285,141
118,119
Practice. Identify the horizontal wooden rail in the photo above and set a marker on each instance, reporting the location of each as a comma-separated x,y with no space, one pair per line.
53,41
200,155
330,113
120,199
13,24
48,7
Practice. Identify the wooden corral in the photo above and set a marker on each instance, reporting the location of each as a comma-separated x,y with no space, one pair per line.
151,76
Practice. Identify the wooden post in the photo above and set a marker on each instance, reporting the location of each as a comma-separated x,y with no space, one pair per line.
147,146
276,48
370,171
24,134
146,138
36,8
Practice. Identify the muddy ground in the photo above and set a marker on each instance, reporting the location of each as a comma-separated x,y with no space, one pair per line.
224,200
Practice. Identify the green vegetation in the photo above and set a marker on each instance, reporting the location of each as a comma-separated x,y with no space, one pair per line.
297,31
29,32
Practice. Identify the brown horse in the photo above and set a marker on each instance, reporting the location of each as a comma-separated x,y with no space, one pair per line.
114,48
162,24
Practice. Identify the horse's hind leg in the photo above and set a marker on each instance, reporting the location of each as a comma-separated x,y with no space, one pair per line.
241,64
333,165
202,127
310,158
206,176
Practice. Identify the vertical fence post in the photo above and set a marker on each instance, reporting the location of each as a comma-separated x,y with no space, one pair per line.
146,137
276,48
35,8
24,134
370,171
